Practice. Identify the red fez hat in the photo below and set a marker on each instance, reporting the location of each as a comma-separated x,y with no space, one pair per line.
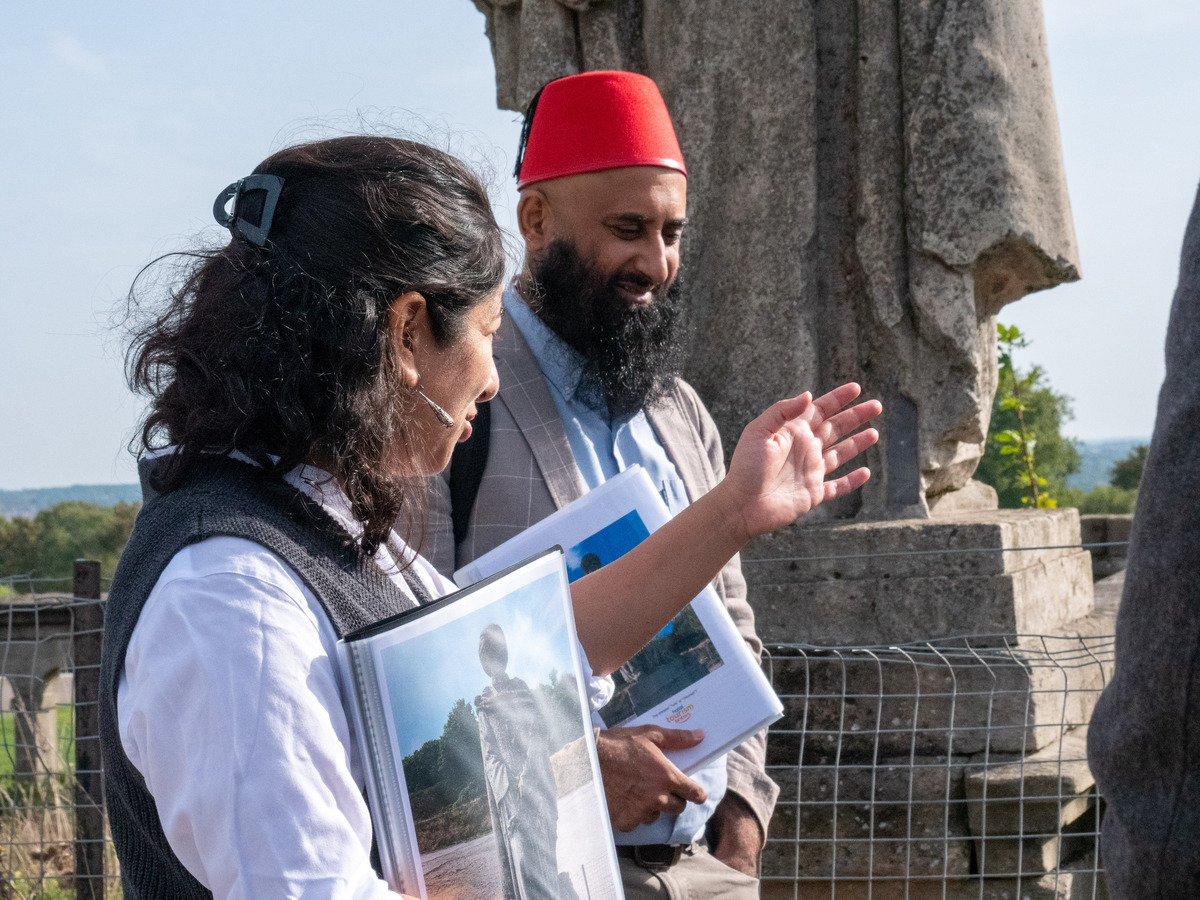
598,120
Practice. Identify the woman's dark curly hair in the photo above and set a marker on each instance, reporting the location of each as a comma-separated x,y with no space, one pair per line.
282,352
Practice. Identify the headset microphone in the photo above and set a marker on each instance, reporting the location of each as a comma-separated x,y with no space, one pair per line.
442,416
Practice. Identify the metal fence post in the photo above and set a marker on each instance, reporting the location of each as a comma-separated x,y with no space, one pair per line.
89,800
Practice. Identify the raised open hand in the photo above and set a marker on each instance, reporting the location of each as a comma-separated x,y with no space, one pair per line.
780,464
777,474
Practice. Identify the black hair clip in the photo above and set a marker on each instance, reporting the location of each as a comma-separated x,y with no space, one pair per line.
254,198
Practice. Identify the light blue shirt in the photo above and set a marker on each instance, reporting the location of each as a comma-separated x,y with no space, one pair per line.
602,449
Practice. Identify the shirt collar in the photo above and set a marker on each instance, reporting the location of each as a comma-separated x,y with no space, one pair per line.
560,363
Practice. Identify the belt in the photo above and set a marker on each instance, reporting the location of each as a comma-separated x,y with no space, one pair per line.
654,857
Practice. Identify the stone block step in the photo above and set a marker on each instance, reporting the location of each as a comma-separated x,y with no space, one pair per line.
1071,883
902,817
1041,792
937,698
1029,814
913,548
1036,599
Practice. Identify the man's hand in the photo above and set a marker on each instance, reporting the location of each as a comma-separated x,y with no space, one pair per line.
640,783
734,836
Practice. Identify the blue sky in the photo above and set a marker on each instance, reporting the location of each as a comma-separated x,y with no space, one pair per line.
123,121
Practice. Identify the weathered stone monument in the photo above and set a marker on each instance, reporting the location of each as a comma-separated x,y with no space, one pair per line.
870,183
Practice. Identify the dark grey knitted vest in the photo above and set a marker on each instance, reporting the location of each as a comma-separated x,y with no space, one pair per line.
222,498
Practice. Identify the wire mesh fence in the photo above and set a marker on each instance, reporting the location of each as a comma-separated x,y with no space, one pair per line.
53,841
953,768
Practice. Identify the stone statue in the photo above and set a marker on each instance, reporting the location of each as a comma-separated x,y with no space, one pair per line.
522,794
870,182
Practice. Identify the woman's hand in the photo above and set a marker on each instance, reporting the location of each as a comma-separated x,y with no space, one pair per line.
777,475
779,466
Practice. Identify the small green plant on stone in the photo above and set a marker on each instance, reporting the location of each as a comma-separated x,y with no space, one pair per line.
1020,441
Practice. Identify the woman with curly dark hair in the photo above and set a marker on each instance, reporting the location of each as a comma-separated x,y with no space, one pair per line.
303,381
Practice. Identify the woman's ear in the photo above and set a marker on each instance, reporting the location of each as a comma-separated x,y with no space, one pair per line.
408,324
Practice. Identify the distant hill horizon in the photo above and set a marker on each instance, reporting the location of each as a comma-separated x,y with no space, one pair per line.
1096,460
28,502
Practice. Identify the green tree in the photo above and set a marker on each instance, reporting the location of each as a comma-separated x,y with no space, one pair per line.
460,756
75,530
47,545
1127,473
18,546
1119,496
1026,459
421,766
1103,498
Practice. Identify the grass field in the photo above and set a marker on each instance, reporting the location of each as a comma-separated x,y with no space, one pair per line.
36,830
66,739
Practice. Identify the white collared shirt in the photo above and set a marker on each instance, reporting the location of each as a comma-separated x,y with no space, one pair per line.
231,706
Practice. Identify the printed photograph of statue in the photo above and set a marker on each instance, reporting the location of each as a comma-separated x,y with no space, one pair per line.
503,785
522,796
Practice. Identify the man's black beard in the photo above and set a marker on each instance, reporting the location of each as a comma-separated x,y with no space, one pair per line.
632,354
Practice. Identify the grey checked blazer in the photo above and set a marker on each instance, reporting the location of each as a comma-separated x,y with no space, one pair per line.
531,472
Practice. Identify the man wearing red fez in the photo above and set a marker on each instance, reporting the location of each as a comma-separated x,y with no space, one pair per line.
589,356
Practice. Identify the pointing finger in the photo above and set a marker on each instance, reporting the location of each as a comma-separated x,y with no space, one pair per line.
673,804
688,790
677,738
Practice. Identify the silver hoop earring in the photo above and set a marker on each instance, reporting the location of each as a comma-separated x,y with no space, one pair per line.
440,414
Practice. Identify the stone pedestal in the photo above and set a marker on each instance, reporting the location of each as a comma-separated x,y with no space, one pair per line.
937,678
985,574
